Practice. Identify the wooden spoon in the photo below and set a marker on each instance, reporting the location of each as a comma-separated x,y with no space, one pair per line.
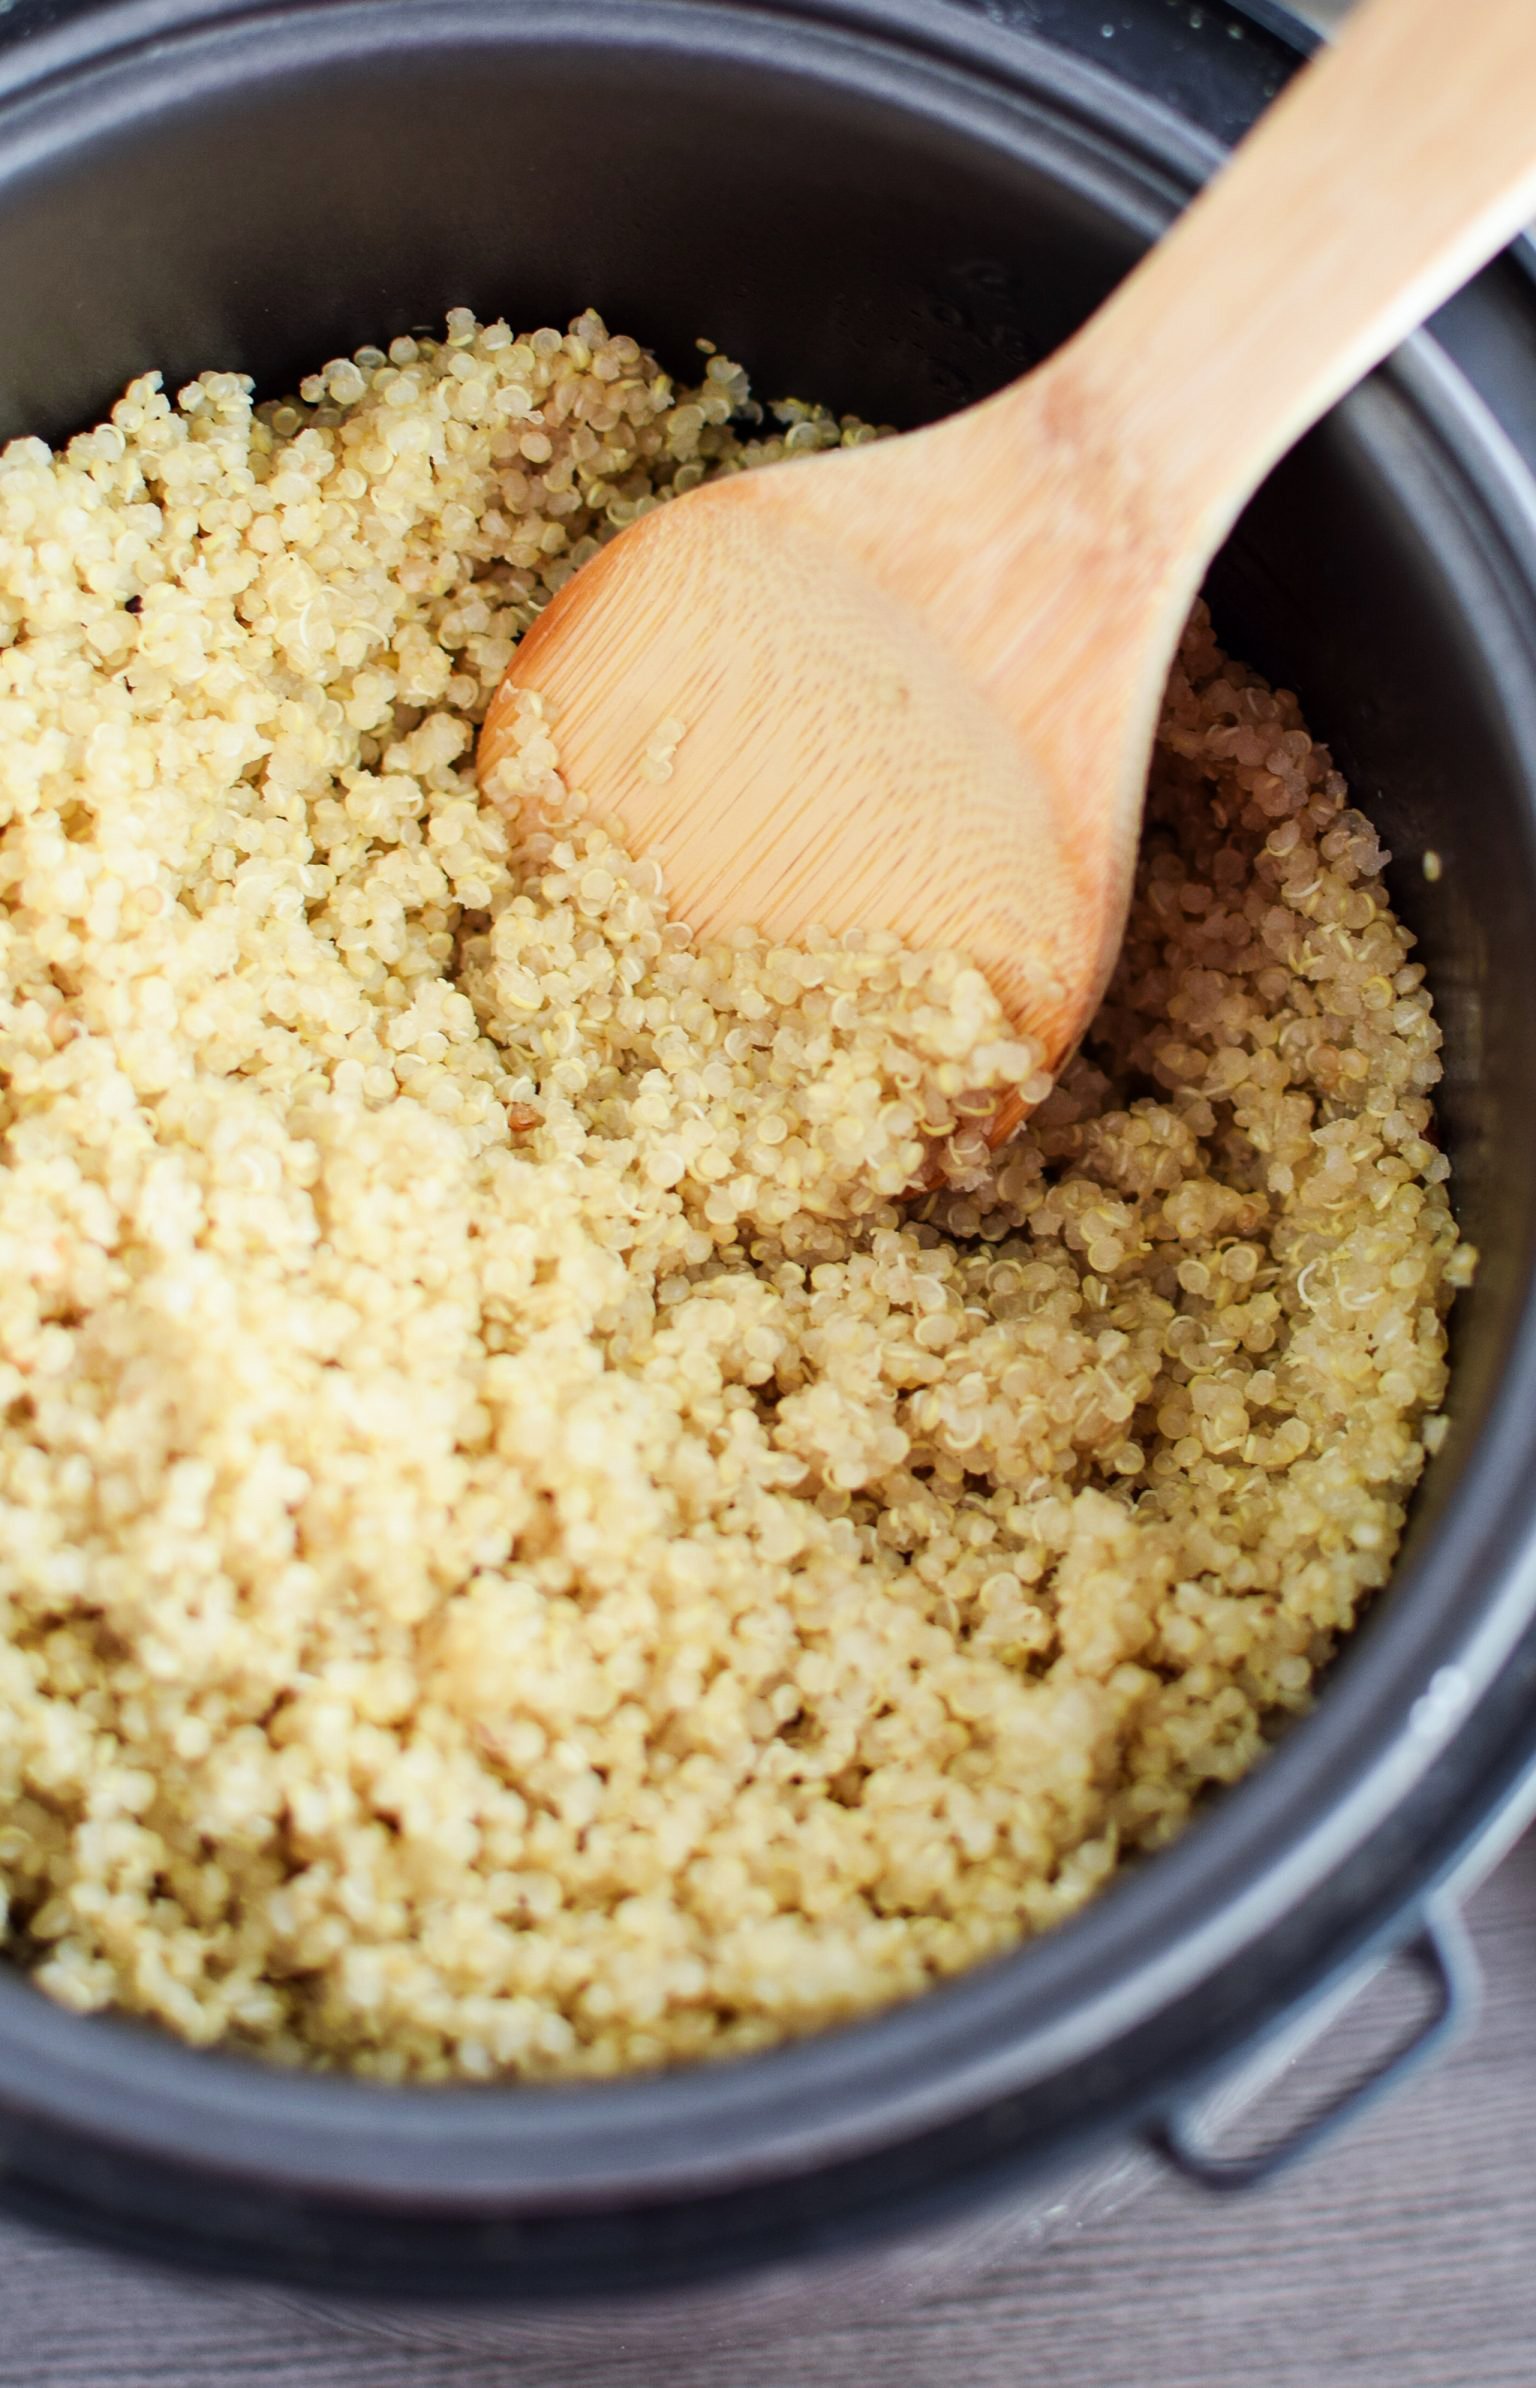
913,685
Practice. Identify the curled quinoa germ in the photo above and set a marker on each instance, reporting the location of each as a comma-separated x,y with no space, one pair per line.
519,1549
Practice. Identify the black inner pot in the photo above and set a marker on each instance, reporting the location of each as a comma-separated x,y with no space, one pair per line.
895,205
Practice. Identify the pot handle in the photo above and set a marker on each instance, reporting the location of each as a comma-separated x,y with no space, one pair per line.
1442,1954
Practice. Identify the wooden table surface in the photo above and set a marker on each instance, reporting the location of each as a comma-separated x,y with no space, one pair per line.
1402,2257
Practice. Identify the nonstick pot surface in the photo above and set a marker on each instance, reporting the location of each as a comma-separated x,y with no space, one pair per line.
896,205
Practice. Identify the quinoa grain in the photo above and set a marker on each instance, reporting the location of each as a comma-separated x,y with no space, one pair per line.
523,1551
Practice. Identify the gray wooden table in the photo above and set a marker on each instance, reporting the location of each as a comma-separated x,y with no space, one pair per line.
1404,2257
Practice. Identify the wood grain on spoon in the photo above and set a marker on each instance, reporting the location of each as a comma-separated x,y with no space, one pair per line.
913,685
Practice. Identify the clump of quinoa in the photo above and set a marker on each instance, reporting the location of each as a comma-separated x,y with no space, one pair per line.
521,1548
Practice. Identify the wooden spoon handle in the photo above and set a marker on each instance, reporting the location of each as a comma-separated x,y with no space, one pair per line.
1391,169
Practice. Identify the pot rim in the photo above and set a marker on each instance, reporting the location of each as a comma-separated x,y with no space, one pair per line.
1269,1843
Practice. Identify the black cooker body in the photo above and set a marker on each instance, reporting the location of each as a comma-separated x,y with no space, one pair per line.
898,204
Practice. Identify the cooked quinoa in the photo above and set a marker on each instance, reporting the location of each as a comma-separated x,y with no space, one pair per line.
521,1547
